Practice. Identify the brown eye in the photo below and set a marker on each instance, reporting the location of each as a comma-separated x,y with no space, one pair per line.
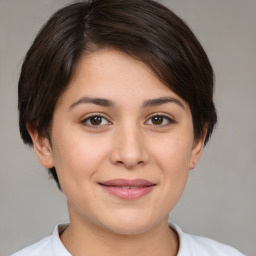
96,120
160,120
157,120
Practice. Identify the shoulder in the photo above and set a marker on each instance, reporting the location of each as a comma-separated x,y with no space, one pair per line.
49,246
191,245
37,249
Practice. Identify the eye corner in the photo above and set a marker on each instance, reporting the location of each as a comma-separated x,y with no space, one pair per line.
95,121
160,120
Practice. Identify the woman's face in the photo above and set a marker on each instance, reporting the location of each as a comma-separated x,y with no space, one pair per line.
122,144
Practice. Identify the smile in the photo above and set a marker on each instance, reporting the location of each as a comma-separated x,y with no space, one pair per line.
128,189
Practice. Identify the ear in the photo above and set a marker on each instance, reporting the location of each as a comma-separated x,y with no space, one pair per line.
42,148
197,150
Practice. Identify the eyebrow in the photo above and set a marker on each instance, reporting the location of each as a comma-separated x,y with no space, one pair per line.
161,101
95,101
108,103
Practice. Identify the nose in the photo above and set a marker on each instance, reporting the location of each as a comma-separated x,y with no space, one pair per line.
129,148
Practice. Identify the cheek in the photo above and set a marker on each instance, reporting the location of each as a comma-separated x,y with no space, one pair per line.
174,154
171,159
77,158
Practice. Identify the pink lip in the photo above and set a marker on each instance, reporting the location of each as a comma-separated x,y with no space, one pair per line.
128,189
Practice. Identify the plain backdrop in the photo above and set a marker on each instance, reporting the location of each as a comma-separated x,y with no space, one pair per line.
219,200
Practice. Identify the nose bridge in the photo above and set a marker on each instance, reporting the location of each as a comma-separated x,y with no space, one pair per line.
129,147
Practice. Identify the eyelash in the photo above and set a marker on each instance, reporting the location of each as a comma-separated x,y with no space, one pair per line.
90,117
166,119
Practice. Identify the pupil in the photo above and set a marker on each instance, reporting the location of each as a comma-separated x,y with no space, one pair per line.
157,120
96,120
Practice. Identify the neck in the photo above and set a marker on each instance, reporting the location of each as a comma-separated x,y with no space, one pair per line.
82,239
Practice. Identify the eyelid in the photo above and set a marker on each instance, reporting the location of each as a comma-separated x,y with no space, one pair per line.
88,116
164,115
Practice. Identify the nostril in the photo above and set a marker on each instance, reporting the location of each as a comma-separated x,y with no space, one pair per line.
129,156
129,164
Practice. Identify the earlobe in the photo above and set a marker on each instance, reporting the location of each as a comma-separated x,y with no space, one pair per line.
42,148
197,151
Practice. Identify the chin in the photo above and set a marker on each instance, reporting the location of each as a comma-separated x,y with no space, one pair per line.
130,225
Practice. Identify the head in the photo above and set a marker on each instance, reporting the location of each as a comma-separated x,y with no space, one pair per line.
142,29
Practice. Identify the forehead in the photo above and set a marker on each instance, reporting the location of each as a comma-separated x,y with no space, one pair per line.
114,75
114,65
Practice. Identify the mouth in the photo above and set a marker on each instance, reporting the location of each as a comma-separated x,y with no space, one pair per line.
128,189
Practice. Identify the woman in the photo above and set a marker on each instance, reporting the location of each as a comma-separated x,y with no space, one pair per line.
116,98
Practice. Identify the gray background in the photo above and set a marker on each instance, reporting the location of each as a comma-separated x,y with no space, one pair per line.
219,201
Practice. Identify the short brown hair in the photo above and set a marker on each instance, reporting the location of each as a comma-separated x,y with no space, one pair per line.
143,29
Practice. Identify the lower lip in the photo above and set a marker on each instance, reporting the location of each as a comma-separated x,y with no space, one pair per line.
128,193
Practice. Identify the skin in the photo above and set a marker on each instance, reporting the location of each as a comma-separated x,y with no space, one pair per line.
127,142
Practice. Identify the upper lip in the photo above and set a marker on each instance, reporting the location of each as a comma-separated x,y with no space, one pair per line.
127,183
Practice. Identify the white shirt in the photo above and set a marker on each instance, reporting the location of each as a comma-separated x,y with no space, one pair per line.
189,246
